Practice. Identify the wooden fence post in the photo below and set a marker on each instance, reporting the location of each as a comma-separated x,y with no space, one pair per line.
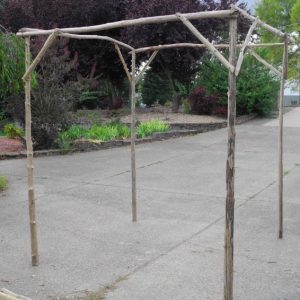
30,182
280,145
230,167
133,138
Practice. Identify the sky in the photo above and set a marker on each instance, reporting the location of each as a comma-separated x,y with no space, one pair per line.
251,3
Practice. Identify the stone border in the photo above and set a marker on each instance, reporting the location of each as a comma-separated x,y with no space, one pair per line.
177,130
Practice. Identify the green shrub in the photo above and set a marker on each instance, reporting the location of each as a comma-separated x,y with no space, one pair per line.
108,132
3,183
186,106
155,89
12,131
152,126
257,88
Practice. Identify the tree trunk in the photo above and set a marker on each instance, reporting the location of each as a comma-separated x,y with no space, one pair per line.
175,96
113,97
176,102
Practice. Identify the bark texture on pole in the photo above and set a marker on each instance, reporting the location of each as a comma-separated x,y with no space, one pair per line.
31,194
219,14
133,137
265,63
49,42
123,62
230,167
245,44
191,45
280,146
139,76
206,42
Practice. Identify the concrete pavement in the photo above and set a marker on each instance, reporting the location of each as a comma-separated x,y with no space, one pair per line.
175,251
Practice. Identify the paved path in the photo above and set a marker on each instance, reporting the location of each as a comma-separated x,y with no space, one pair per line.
290,119
175,251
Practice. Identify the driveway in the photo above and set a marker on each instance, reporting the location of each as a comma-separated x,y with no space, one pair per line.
175,251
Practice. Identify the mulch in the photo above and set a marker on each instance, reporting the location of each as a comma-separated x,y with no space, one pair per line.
11,145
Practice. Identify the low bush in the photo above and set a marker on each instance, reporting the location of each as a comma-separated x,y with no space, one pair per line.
147,128
108,132
155,89
12,131
201,103
186,106
3,183
257,88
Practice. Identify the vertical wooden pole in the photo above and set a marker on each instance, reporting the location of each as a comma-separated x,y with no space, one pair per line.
133,137
280,145
229,217
30,182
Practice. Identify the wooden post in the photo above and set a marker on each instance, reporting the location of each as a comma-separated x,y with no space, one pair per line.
31,196
280,146
133,137
123,62
230,167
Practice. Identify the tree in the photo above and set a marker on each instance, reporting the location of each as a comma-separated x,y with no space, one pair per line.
12,61
95,58
177,65
257,89
295,16
284,15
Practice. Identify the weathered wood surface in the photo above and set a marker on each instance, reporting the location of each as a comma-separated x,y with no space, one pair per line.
280,144
262,24
40,55
191,45
152,57
133,138
8,295
206,42
230,168
220,14
94,37
245,44
30,181
265,63
123,62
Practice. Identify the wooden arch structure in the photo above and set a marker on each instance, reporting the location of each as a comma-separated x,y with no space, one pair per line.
232,64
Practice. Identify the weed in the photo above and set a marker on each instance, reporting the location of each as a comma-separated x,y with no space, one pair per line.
12,131
3,183
147,128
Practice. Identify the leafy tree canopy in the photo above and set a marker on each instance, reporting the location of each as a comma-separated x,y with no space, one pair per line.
12,62
284,15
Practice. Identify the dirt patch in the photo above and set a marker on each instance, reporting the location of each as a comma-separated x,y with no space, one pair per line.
88,117
174,118
10,145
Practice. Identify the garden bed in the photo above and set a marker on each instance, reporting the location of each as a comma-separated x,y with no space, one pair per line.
86,145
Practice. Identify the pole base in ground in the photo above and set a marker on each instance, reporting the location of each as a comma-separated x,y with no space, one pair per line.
34,261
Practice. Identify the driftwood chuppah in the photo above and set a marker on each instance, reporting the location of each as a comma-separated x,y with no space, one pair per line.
233,65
